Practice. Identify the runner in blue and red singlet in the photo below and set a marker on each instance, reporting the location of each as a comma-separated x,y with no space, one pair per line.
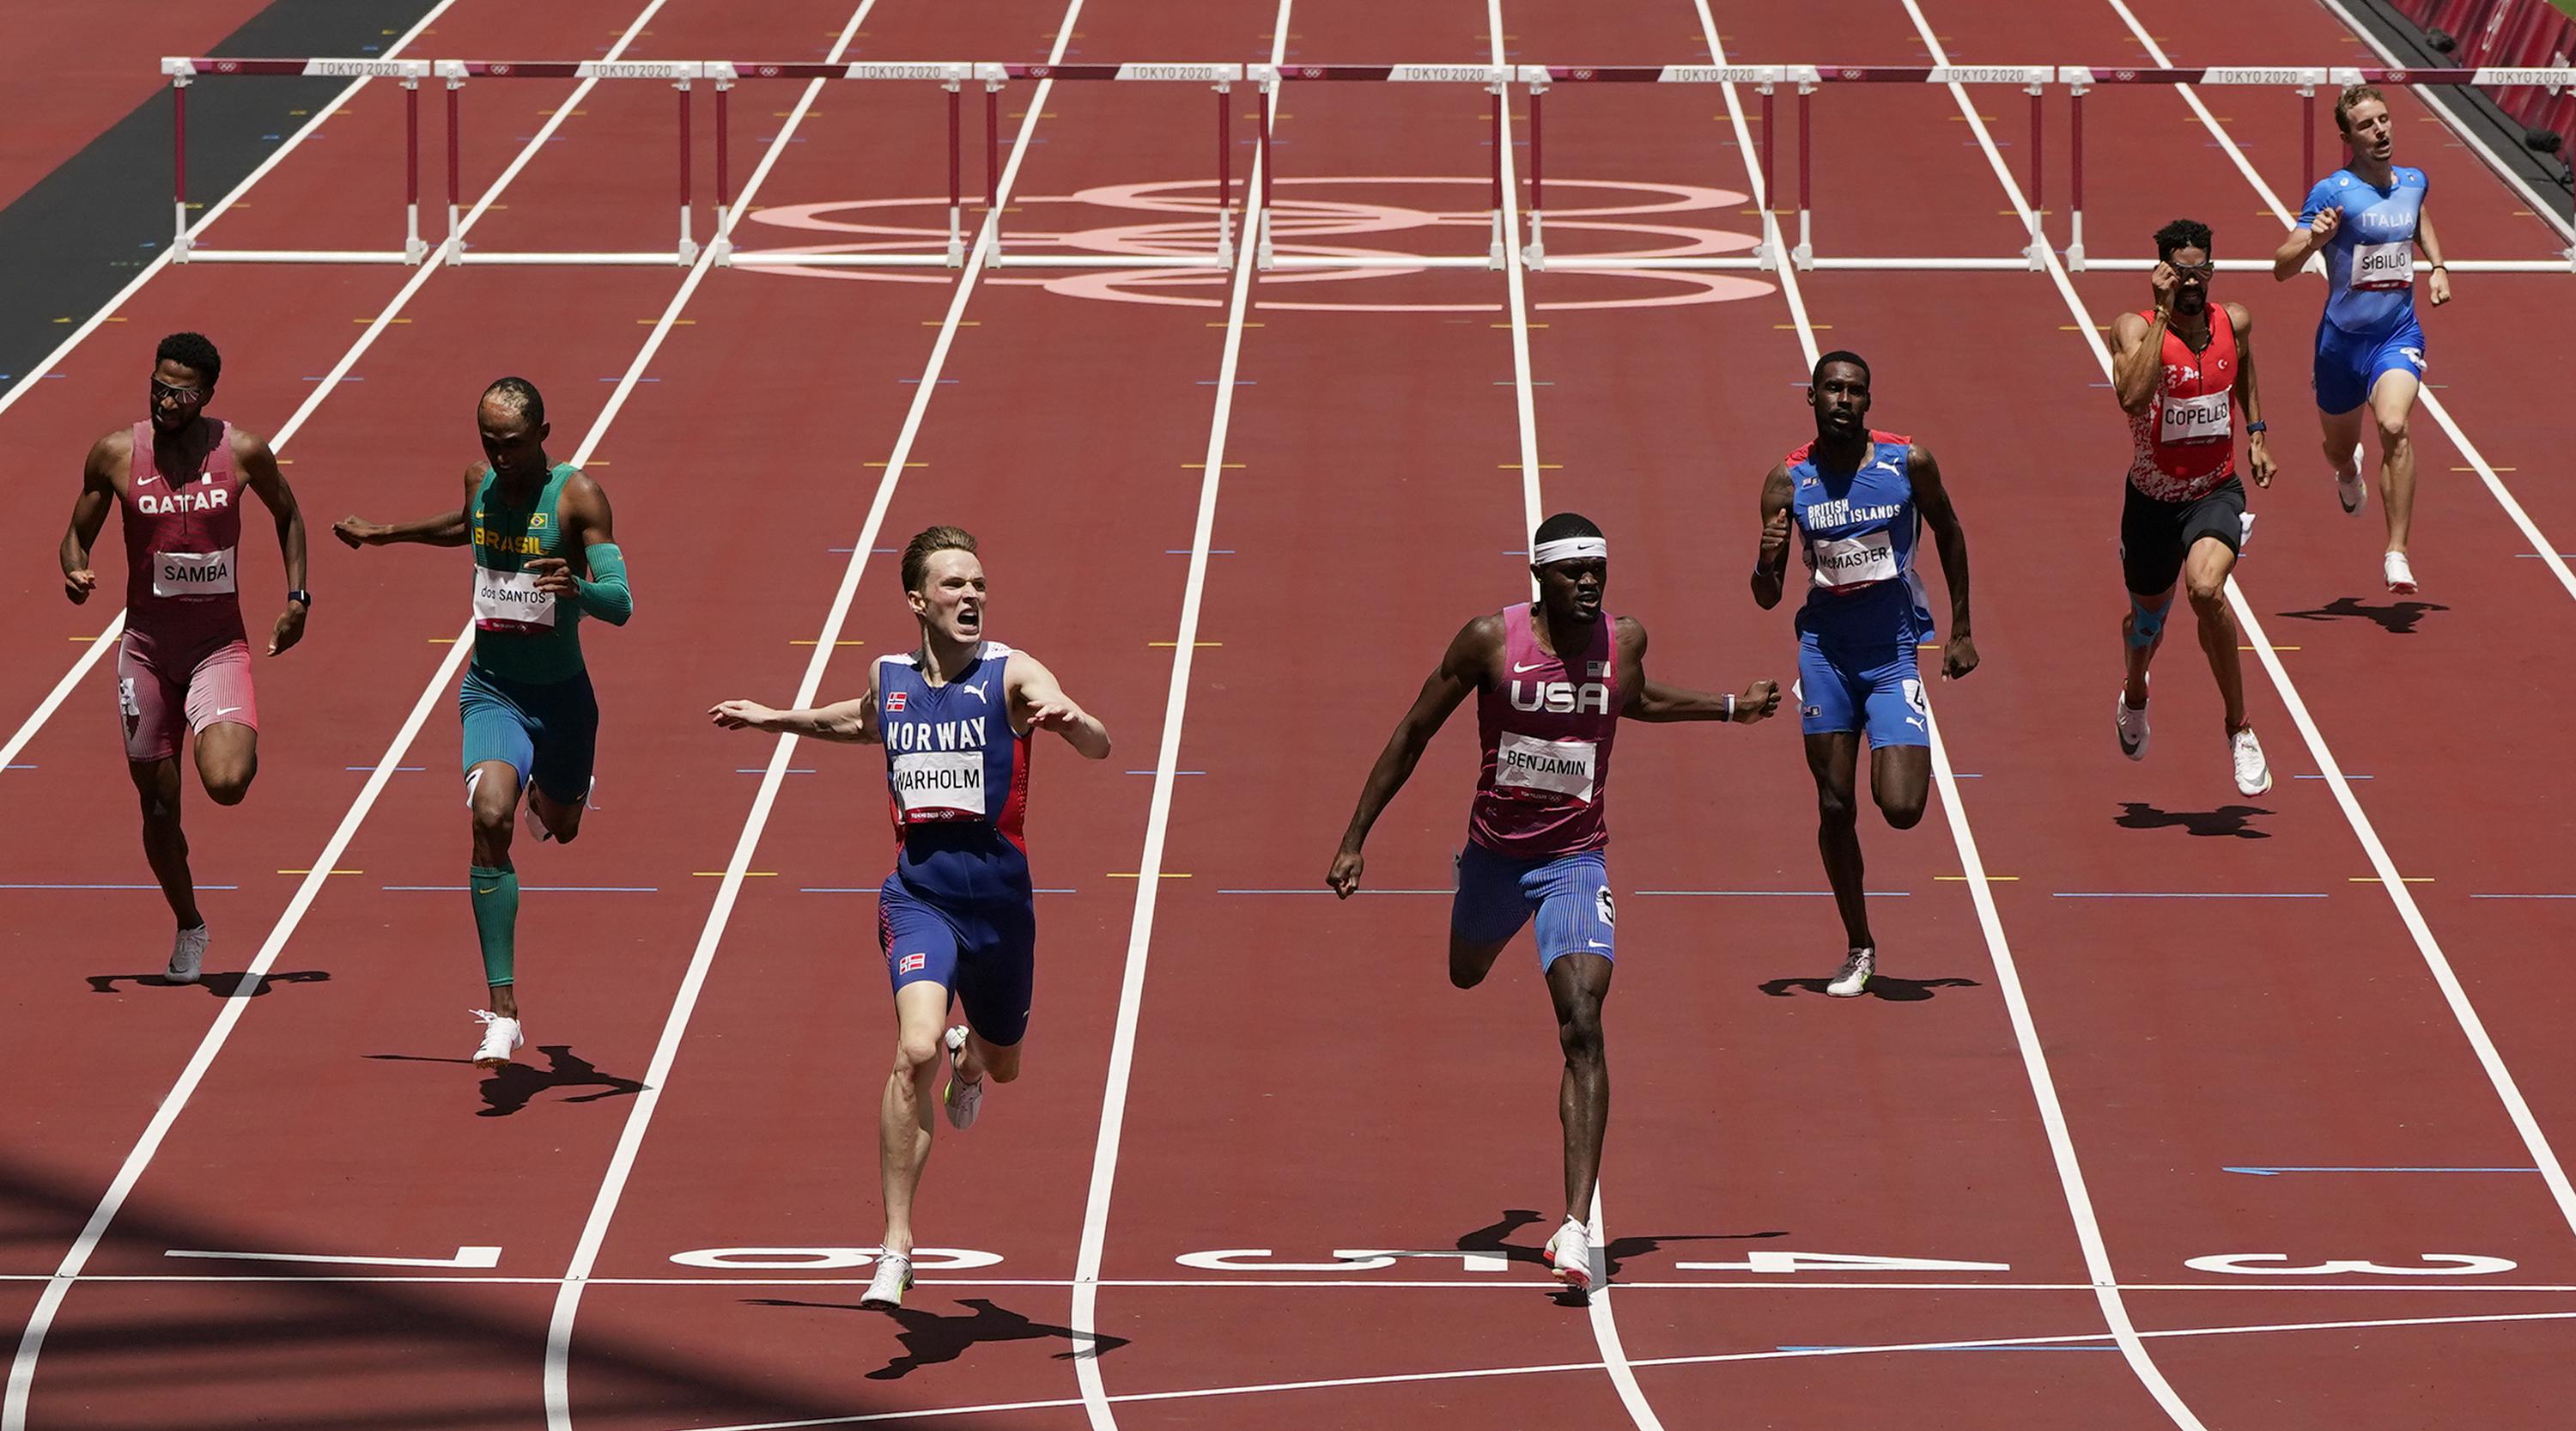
957,918
183,667
1551,679
1858,500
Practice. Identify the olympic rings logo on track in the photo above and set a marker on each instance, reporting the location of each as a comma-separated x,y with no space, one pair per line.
1311,219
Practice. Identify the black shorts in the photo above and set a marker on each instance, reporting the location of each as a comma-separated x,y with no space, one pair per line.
2155,536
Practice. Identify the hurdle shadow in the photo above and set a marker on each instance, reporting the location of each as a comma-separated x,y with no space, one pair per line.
2397,618
1881,986
1494,1237
2226,822
930,1339
236,985
513,1087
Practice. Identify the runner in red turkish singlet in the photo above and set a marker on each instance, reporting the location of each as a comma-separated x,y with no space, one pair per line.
1551,679
184,663
2180,370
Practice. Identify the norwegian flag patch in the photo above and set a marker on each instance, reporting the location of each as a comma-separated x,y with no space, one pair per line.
911,963
894,701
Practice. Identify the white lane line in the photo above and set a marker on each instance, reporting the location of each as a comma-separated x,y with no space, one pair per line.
100,644
22,1367
2043,1081
161,260
1095,1398
1709,1359
657,1077
2432,402
2507,1090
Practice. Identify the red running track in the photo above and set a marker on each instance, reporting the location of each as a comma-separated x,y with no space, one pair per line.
1277,1101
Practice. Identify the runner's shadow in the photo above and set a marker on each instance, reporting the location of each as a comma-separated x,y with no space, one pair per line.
221,986
2229,821
930,1339
2398,618
513,1087
1881,986
1491,1239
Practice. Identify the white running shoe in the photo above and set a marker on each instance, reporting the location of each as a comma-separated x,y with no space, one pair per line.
2351,491
2132,727
1569,1256
2401,577
1857,968
893,1278
961,1098
2253,773
500,1037
188,955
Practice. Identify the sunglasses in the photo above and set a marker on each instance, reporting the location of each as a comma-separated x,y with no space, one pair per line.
2200,270
182,396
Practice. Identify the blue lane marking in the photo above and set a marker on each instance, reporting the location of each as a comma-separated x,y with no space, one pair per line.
18,767
398,770
917,380
1238,382
2320,777
2523,896
2267,1172
2167,894
528,888
108,886
326,377
1778,893
872,551
1321,890
1989,1347
2528,556
622,379
879,889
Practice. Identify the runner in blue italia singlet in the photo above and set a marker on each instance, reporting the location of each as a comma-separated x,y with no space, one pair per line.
956,919
1858,500
2365,221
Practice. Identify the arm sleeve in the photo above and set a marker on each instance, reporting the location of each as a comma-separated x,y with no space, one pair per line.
606,595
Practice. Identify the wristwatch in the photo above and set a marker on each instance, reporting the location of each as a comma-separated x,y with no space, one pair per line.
2252,428
300,594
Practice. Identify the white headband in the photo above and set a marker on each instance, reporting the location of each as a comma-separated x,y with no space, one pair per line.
1570,549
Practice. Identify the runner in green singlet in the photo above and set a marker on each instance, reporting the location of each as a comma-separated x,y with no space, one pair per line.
545,556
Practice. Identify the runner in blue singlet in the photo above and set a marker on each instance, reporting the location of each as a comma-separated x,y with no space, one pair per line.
2367,219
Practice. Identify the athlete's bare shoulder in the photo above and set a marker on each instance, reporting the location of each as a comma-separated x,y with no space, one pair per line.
112,456
1476,652
1629,633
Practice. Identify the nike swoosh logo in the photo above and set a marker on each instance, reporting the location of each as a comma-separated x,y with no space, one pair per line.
487,891
1520,670
226,710
155,477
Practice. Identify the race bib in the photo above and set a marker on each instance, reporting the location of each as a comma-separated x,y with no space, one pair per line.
1560,767
192,573
2204,418
939,785
2384,265
1852,561
510,601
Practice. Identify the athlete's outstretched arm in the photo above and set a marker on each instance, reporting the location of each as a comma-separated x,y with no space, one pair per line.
2249,400
604,593
2438,284
1932,499
1773,558
447,529
1460,672
1038,703
89,515
1651,700
258,467
852,722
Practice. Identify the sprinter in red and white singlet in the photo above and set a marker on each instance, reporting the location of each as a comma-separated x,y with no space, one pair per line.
184,664
1551,679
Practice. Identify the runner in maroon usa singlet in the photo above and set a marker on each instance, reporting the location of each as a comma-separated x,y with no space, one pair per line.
184,663
1551,679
